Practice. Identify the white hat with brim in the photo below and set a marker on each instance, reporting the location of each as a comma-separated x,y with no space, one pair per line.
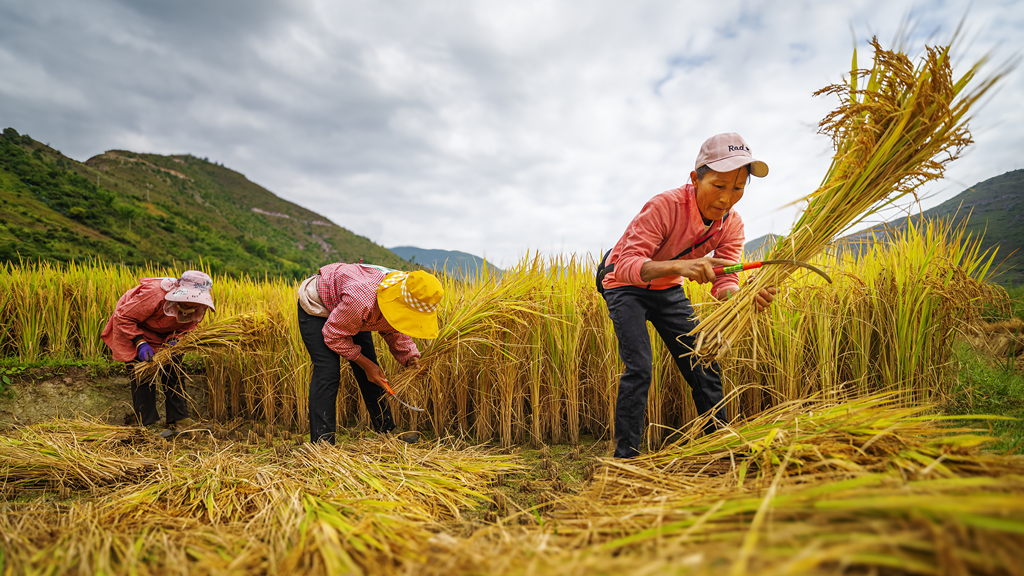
192,288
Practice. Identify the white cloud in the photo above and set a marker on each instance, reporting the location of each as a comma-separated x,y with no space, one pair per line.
477,126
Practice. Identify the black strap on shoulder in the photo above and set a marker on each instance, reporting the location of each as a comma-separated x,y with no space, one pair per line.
603,270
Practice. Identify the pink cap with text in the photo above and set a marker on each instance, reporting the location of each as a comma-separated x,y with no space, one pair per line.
727,152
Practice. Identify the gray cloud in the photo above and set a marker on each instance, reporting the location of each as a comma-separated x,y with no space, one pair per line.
477,126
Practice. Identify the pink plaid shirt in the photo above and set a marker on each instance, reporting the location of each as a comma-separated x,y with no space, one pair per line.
349,291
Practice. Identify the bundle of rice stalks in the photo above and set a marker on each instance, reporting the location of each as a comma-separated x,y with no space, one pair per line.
864,487
479,328
820,440
480,316
431,482
232,334
71,455
365,507
896,128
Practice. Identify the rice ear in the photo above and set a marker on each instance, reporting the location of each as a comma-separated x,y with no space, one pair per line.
892,134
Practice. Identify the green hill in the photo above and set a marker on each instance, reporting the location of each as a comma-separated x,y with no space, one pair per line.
993,208
124,207
759,247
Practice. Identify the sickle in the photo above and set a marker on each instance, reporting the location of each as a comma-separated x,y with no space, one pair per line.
754,265
392,392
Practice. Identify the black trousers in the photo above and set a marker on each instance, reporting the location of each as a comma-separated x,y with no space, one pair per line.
670,312
144,398
323,387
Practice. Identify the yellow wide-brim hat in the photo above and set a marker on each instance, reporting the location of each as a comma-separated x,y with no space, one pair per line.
409,302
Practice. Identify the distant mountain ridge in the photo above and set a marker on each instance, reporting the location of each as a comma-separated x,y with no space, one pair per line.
453,262
131,208
993,208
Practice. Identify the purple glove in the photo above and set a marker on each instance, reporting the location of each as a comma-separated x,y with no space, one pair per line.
145,352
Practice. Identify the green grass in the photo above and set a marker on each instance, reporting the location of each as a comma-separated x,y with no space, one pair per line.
1017,300
992,386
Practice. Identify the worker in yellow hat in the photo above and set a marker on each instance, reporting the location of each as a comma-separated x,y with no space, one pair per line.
339,309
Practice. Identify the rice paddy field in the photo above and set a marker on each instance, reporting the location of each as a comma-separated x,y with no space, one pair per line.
840,458
850,449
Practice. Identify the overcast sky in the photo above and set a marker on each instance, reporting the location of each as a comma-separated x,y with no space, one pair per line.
488,127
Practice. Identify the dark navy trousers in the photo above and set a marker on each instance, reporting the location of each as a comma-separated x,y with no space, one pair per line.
323,387
670,311
144,397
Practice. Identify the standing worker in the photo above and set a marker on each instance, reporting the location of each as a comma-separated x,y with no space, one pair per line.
339,308
148,317
641,279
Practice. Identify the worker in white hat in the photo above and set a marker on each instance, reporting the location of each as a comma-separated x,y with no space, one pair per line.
150,316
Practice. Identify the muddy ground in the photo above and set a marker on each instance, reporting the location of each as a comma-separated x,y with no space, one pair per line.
41,394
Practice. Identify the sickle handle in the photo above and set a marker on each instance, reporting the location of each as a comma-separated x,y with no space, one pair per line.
388,388
736,267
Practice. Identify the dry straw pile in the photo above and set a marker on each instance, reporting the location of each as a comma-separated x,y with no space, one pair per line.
896,128
809,487
83,498
806,488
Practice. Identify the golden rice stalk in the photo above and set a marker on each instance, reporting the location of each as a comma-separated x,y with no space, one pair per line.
231,334
896,128
369,506
69,454
482,316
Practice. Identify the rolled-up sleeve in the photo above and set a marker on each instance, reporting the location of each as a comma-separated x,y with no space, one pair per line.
345,321
730,247
402,347
641,241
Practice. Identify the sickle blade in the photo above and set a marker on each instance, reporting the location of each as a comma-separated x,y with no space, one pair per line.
814,269
409,407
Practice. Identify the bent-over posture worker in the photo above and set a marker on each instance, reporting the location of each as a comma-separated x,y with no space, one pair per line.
669,240
154,314
339,309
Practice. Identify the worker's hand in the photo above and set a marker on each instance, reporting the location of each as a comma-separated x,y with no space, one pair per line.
764,298
372,370
376,375
701,269
144,352
415,364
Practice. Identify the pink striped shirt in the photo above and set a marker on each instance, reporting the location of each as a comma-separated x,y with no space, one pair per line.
349,291
668,224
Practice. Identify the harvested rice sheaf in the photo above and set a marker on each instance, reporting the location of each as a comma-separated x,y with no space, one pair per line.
897,127
807,488
238,333
71,455
364,507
